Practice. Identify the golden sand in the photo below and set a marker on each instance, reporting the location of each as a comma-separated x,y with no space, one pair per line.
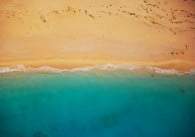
83,32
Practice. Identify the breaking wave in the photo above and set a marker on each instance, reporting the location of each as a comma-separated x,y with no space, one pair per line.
107,67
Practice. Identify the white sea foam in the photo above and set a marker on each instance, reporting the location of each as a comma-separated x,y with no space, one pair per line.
12,68
103,67
163,71
48,69
87,68
191,71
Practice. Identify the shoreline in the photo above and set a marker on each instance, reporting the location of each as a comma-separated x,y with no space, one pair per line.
97,67
179,65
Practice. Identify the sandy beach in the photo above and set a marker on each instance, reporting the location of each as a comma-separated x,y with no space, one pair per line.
69,34
97,68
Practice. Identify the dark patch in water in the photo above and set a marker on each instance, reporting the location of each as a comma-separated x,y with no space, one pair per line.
182,90
19,135
127,110
39,134
109,120
152,75
3,123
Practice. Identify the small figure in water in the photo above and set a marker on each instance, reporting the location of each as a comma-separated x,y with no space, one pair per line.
182,90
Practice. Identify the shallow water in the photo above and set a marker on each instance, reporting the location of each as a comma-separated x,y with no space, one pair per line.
96,104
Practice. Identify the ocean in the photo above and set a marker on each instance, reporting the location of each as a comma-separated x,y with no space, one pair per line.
97,103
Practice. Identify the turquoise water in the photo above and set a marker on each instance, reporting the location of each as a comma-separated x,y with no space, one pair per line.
96,104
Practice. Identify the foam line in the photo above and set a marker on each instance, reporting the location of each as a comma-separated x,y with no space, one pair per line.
103,67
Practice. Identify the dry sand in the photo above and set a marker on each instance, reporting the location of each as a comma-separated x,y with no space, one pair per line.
83,32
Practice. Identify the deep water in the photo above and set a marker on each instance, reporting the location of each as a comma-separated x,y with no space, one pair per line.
97,104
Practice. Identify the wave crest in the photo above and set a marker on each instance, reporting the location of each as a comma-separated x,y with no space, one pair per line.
107,67
163,71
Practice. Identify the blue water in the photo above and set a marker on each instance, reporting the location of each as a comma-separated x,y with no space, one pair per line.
96,104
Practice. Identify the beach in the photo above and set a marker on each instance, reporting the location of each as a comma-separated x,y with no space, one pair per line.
74,34
97,68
